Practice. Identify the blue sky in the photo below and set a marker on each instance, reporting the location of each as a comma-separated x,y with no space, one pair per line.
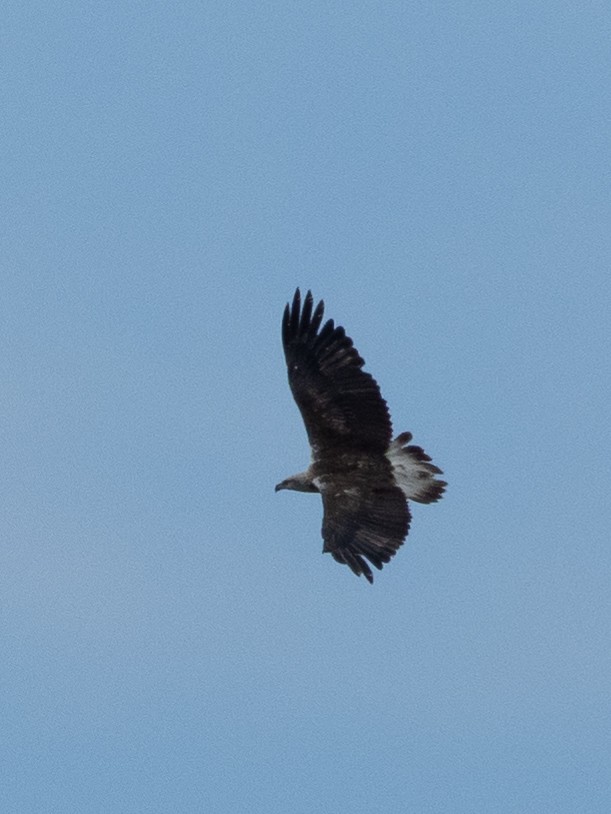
173,638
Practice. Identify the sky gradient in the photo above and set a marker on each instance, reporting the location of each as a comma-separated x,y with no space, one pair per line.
173,638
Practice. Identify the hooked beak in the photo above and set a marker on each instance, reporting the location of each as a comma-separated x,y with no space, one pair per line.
279,486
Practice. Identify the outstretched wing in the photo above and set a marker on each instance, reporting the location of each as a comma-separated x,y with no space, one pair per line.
341,405
362,523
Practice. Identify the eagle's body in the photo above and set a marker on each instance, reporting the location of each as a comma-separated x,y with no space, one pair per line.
364,478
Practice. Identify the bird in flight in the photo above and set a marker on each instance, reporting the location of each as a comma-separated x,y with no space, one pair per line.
364,477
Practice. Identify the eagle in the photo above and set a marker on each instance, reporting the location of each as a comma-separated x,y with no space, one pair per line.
363,476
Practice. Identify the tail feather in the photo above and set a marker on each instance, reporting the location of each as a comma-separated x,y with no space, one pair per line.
414,471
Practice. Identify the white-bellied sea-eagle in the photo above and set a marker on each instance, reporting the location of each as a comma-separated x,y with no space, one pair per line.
365,478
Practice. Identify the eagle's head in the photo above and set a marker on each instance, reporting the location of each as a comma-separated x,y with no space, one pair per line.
298,483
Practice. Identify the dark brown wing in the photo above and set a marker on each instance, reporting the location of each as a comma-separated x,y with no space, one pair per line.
341,405
364,524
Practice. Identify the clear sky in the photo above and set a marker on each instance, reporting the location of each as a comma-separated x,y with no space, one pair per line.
172,637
